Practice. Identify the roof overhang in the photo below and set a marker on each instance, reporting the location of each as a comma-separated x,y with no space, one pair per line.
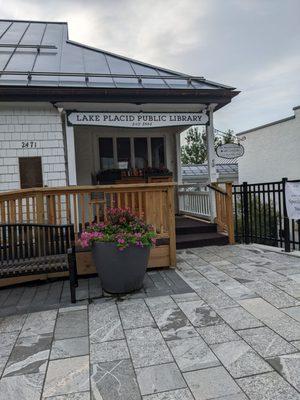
114,95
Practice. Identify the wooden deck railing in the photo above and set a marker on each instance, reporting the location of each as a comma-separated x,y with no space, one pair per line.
81,205
193,199
224,211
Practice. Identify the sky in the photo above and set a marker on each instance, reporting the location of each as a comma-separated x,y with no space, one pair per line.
253,45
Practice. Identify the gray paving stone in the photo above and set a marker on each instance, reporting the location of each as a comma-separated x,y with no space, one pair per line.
147,347
239,359
200,314
12,323
278,298
4,293
71,347
270,386
29,355
180,394
21,387
14,297
213,296
288,366
73,307
172,322
114,380
217,334
192,353
295,277
290,287
159,378
109,351
39,323
71,324
281,323
135,314
71,396
179,298
212,383
296,343
262,273
266,342
293,312
27,297
7,341
238,318
69,375
236,290
159,301
3,361
104,322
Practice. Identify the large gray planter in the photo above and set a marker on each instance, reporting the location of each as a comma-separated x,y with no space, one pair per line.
120,271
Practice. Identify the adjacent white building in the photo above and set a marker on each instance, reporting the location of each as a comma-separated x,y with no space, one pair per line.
272,151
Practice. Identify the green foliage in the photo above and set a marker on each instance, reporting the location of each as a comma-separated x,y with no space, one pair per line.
195,149
262,220
228,137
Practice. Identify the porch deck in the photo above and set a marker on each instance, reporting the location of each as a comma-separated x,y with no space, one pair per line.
236,336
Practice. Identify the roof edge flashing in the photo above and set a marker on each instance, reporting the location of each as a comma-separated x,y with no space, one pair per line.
34,22
257,128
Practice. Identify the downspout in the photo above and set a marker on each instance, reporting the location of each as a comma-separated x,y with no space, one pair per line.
62,114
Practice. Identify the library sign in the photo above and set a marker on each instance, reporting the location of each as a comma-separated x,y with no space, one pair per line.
230,150
137,120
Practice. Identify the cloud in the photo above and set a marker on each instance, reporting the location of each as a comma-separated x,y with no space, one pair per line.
250,44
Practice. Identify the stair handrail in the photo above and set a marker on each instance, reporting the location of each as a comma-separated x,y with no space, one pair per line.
224,209
217,189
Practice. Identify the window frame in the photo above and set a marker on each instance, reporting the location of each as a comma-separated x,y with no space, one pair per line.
132,152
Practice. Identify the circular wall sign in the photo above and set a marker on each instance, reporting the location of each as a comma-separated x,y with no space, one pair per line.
230,150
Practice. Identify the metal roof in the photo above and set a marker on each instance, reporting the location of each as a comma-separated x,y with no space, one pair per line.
197,170
37,53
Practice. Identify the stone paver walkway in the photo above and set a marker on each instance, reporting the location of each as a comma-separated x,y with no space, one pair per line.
236,337
40,296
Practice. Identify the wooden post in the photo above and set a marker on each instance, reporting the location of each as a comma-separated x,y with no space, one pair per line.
229,213
171,225
211,161
40,217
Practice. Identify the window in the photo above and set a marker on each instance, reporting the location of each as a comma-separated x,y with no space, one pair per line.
131,152
124,153
30,172
158,152
140,152
106,153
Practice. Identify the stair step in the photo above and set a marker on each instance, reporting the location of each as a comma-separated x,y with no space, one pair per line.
186,241
185,225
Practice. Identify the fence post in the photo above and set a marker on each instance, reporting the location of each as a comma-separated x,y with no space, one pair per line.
171,225
229,213
286,221
246,212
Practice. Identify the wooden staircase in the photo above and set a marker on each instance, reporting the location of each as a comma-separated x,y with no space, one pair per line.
191,232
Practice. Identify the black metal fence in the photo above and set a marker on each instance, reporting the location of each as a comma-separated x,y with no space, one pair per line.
260,215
